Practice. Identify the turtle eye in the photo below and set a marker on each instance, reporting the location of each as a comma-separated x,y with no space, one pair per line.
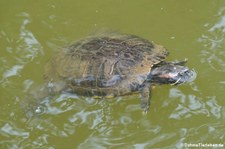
185,72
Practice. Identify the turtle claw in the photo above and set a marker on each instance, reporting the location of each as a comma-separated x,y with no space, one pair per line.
144,112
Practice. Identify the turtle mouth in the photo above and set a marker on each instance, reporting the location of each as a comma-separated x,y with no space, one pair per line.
184,76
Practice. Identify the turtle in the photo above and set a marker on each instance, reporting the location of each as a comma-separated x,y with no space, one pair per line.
113,65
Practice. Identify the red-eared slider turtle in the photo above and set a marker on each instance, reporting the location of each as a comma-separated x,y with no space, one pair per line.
113,65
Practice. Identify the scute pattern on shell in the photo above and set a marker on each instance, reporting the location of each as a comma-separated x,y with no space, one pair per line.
95,61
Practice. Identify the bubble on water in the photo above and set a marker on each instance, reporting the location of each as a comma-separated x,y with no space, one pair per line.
38,110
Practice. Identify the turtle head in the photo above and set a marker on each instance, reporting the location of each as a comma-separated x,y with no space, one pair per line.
171,73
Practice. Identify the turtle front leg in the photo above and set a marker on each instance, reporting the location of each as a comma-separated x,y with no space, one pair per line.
145,97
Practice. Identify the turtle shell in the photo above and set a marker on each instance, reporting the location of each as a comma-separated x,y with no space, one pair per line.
103,62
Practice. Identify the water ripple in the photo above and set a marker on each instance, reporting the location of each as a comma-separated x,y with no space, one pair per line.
191,105
20,49
213,42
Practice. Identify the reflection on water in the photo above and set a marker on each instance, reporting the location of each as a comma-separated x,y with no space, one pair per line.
191,105
214,53
14,71
21,49
10,130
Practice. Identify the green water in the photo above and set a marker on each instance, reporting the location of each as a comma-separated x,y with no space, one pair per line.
31,31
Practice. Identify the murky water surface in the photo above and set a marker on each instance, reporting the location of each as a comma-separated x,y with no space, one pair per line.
30,32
